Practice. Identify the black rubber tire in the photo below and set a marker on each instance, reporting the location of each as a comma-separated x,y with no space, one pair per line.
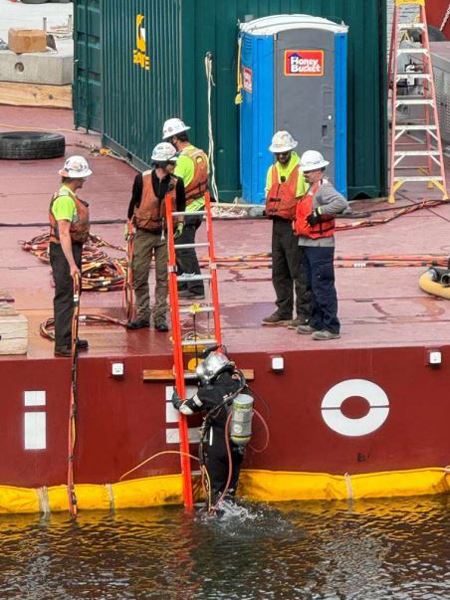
31,145
34,1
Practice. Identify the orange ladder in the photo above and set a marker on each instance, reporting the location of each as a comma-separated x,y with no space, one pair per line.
211,305
427,122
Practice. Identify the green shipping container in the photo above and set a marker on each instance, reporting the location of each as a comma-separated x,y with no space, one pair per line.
153,68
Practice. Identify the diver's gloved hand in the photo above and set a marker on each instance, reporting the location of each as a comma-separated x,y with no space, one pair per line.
186,407
178,230
176,400
313,218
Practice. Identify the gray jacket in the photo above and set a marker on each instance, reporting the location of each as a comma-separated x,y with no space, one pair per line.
331,203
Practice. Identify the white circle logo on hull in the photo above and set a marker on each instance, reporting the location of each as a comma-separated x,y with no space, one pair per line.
336,420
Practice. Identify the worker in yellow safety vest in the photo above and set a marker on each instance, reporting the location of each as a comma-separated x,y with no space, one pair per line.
192,168
69,230
285,186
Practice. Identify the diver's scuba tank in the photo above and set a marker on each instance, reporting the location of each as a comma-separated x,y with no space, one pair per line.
241,419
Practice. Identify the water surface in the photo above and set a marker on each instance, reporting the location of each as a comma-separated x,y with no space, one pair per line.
372,550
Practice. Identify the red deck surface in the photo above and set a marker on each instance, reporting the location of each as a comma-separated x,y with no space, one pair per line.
377,306
386,322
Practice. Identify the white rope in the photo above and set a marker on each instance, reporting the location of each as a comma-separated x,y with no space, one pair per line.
210,80
348,481
44,502
109,489
447,16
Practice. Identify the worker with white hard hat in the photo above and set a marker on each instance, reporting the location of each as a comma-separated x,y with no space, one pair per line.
285,184
315,226
147,213
69,230
192,167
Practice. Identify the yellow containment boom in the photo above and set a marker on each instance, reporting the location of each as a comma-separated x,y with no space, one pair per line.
436,282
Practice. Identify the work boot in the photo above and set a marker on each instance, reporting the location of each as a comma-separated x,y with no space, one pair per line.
191,295
161,326
65,351
325,335
306,329
82,344
275,320
138,324
297,322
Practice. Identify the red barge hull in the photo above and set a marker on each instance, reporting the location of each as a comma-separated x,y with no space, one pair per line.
342,415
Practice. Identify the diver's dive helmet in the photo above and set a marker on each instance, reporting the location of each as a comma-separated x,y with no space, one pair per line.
214,364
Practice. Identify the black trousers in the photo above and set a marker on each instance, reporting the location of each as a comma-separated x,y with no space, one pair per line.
63,300
217,464
288,272
187,261
319,264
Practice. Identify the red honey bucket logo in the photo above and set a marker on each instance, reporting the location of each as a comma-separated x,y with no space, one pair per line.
304,62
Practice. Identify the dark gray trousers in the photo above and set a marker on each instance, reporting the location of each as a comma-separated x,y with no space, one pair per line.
187,261
288,272
63,300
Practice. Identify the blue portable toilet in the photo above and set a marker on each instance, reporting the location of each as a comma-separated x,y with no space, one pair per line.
294,78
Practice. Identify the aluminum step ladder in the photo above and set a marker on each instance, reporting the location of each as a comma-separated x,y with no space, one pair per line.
210,307
420,139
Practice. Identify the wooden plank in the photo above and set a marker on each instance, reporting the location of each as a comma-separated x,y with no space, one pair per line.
13,335
27,40
30,94
167,374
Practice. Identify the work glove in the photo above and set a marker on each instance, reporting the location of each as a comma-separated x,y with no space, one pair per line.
176,400
313,218
178,230
184,406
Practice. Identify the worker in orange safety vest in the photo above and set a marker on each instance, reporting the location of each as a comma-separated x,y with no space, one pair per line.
315,226
192,168
285,184
69,230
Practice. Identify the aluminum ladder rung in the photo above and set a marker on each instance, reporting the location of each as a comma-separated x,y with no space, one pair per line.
202,309
188,277
196,245
195,213
208,342
414,75
406,26
414,101
417,153
416,127
418,178
412,51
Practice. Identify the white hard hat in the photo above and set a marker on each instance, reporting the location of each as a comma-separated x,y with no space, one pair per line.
164,152
75,167
282,141
173,127
213,365
312,160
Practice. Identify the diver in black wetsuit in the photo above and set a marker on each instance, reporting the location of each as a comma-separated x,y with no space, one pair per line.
222,391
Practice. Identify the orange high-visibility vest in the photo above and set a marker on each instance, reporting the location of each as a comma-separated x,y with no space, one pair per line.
199,184
281,200
326,225
151,212
79,227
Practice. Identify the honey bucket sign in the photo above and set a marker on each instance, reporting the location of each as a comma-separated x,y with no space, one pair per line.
140,56
305,63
